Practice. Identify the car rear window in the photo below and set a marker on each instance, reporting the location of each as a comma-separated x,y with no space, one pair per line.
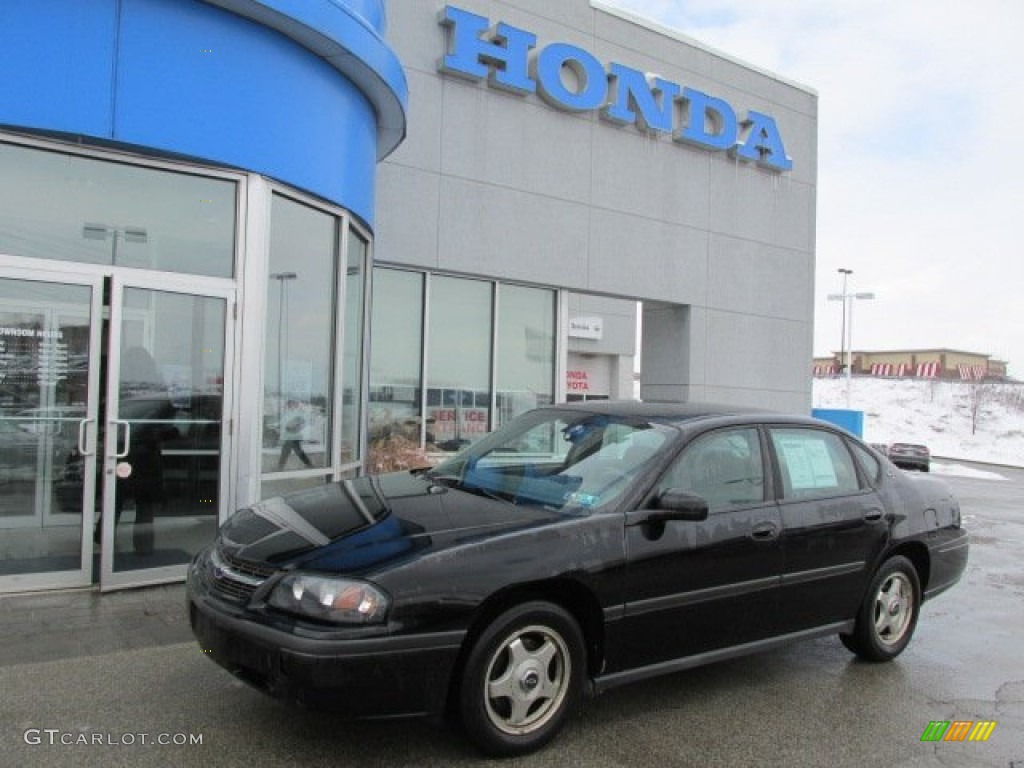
813,463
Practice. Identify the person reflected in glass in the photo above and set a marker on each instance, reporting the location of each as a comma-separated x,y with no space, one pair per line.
293,429
144,399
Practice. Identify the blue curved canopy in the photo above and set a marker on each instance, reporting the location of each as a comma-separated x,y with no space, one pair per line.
304,91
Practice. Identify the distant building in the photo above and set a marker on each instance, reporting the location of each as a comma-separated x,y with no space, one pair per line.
915,363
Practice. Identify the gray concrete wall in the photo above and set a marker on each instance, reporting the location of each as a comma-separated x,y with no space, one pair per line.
619,319
502,185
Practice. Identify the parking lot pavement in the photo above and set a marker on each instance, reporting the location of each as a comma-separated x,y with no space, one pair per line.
811,704
63,625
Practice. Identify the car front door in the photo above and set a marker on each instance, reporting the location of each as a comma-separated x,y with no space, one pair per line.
833,527
694,587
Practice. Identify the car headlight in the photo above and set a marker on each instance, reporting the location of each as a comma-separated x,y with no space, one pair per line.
340,601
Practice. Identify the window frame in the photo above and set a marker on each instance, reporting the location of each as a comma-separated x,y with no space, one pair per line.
869,480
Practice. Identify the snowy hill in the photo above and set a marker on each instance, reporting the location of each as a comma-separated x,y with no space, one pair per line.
937,414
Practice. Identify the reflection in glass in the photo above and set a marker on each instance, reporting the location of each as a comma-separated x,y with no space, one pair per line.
724,468
44,355
298,397
281,486
459,363
170,396
72,208
395,365
352,354
569,462
526,350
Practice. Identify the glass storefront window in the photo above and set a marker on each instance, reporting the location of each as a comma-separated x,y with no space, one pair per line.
162,374
526,350
80,209
395,365
352,354
397,352
298,399
459,363
460,349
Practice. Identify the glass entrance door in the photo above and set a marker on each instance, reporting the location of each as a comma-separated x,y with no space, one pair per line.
165,435
50,331
113,425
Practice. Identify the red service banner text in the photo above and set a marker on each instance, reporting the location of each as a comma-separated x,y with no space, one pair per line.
576,381
452,423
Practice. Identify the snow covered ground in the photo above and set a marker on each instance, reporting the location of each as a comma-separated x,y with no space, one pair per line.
937,414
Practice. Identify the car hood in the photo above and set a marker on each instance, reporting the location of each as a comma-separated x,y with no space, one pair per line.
357,526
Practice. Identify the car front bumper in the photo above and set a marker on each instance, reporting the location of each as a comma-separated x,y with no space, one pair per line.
911,462
388,676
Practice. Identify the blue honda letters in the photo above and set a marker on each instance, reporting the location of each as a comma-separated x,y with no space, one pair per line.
623,95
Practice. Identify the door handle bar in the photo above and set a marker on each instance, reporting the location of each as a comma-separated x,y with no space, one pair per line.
127,437
82,430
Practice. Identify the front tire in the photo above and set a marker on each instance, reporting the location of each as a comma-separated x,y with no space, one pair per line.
522,679
887,617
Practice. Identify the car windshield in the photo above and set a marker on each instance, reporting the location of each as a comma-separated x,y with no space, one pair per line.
564,461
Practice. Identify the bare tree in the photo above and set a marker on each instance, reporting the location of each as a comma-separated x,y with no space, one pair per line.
979,394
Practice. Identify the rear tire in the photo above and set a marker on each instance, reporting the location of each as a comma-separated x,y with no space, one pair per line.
887,617
522,679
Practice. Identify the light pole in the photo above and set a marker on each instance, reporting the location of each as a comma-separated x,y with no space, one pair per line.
94,231
846,348
842,335
281,277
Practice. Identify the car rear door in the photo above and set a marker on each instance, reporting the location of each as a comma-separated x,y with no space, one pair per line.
694,587
833,526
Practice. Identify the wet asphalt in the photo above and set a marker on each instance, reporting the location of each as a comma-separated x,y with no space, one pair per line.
90,680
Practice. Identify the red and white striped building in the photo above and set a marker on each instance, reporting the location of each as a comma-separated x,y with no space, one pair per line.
890,369
915,363
976,372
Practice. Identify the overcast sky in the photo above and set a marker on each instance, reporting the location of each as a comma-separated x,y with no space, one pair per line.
920,179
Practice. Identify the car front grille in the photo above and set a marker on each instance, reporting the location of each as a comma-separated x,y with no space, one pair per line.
232,579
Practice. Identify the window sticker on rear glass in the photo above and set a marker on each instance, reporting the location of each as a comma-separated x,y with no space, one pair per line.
808,462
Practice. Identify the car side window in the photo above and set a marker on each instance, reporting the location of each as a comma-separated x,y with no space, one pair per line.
813,463
724,467
868,462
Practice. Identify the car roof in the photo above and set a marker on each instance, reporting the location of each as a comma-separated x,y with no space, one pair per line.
684,413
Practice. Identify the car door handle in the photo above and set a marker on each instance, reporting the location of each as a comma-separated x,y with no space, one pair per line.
766,531
873,515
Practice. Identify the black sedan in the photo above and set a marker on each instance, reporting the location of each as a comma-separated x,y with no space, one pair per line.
578,548
910,456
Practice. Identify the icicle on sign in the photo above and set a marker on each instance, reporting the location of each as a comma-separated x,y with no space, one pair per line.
503,56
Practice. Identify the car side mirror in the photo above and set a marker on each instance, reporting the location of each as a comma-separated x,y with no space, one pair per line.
677,504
